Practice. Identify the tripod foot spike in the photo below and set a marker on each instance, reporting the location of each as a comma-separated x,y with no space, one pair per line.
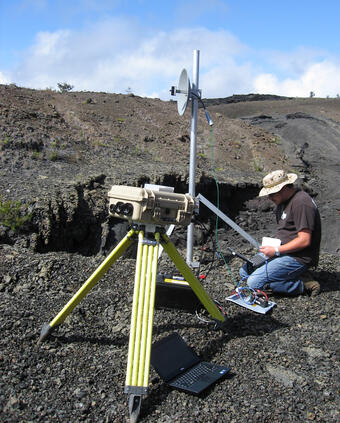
134,407
45,332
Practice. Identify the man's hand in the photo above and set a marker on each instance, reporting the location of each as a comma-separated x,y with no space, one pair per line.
268,251
302,241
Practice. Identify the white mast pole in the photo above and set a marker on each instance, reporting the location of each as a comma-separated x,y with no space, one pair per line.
195,89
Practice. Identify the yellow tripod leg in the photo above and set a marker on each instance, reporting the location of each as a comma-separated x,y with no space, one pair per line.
138,364
186,272
137,297
88,285
150,312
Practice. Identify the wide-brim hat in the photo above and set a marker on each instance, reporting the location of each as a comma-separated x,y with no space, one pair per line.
275,181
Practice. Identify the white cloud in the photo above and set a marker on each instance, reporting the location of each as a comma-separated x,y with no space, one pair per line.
323,78
50,45
115,54
230,78
293,62
4,79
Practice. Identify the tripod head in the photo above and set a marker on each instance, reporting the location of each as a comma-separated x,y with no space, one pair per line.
142,205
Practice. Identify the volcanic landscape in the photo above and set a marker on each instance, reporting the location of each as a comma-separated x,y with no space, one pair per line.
60,152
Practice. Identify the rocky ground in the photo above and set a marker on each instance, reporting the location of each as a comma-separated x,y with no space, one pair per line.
60,153
284,366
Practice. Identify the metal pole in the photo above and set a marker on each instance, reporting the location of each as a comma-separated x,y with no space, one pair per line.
194,88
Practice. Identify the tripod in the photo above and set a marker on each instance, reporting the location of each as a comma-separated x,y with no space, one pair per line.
139,351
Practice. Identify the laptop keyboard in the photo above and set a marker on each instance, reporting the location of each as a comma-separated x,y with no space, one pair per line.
192,375
258,260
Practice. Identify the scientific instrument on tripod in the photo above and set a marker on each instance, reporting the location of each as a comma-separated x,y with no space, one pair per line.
149,212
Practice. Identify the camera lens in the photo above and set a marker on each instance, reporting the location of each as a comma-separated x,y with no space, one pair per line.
119,207
127,209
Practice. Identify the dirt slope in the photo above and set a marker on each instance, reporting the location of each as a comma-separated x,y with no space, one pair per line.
52,142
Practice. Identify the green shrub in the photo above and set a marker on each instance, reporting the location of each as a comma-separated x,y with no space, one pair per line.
53,156
64,87
12,214
275,140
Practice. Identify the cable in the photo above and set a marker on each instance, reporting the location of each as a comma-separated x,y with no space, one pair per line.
246,294
203,227
198,98
266,264
218,206
205,110
217,186
209,321
252,296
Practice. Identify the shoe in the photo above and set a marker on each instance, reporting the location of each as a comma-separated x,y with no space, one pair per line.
311,286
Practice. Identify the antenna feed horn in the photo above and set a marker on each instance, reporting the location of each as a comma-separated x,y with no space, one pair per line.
173,90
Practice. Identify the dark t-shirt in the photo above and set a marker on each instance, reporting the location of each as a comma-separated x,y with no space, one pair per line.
298,213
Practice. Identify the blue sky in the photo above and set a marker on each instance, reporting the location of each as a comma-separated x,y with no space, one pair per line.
278,47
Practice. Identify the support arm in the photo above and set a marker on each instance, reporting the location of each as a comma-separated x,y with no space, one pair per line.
228,221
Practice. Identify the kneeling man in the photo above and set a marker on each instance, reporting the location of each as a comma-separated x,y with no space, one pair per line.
299,229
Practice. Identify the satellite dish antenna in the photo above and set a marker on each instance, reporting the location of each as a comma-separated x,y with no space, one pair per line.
183,92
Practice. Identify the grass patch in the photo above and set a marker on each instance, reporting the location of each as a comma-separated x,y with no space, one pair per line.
53,156
258,165
36,155
5,141
12,214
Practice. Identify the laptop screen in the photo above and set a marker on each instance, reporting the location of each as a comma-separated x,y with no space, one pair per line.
171,356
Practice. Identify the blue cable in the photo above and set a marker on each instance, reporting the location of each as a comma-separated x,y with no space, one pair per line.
248,289
267,270
252,291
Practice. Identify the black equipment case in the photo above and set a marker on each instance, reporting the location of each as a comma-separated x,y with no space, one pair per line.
173,292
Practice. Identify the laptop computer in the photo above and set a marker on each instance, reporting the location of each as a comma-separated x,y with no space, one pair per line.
180,367
253,263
